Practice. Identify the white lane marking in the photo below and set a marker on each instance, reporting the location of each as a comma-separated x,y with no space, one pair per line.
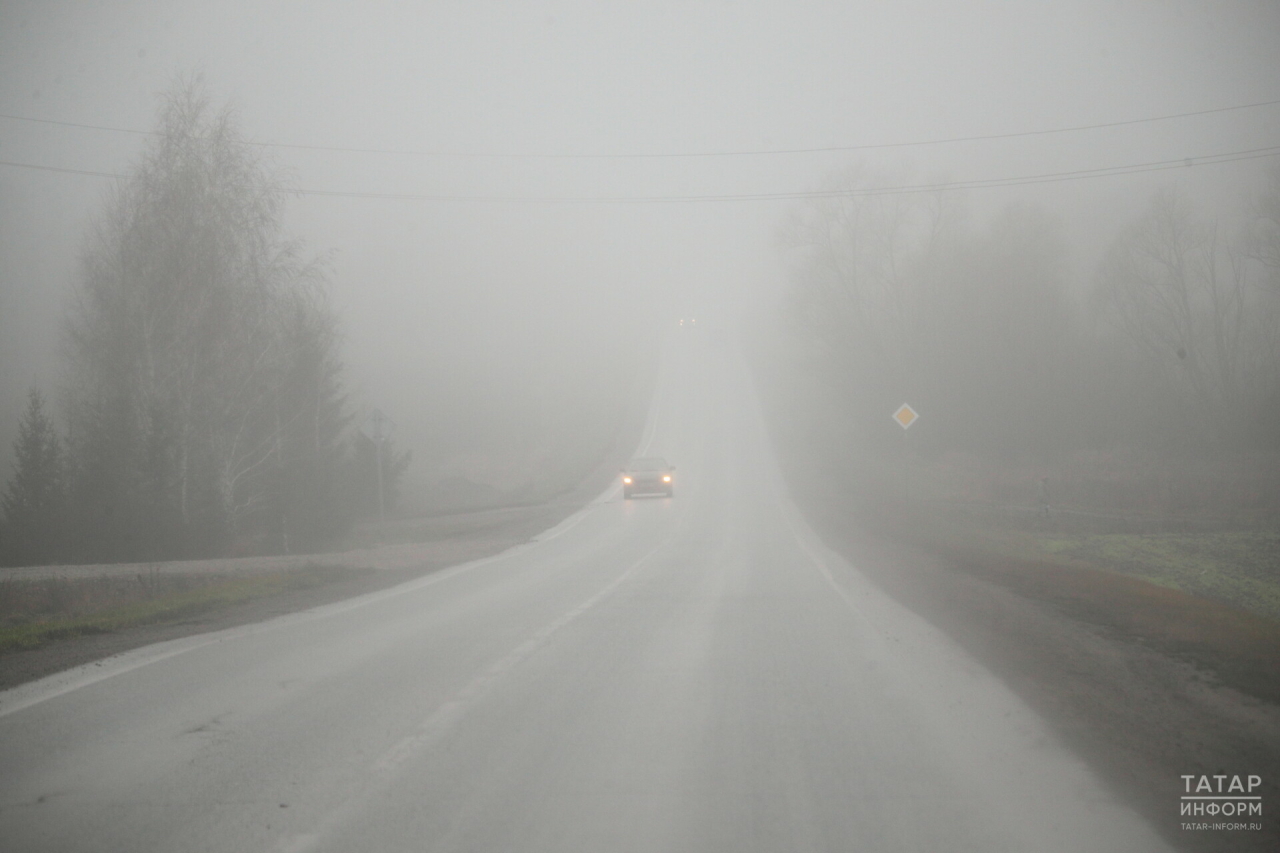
611,491
61,683
442,719
993,734
33,693
573,520
820,564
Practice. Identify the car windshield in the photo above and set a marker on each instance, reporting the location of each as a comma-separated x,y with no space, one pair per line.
650,464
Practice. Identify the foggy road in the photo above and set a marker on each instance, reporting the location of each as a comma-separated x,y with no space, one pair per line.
689,674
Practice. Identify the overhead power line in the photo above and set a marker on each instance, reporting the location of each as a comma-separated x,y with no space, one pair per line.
676,155
940,186
63,170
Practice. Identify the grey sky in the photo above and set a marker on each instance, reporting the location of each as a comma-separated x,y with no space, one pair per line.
431,289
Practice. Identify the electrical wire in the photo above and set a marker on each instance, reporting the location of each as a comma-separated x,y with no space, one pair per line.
852,192
62,169
676,155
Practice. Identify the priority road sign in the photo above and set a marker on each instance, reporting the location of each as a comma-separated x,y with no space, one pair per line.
905,416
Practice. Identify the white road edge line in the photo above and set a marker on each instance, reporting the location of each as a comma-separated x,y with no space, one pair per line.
33,693
444,717
611,491
820,563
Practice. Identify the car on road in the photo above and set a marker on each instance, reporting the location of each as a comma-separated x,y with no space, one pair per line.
648,475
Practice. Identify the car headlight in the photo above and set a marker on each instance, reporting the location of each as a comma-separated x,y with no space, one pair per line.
666,478
626,480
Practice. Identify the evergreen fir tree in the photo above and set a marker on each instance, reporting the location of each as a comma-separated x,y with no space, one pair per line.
34,505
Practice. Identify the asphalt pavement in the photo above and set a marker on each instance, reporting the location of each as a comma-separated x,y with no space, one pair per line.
689,674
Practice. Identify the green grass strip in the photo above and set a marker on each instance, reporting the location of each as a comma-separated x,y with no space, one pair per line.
165,607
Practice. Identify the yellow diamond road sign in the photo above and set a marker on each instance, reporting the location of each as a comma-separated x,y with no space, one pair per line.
905,416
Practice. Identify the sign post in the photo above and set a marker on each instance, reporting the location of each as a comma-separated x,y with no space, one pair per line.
905,416
379,428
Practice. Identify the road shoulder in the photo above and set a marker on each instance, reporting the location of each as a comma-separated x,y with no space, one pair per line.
1139,716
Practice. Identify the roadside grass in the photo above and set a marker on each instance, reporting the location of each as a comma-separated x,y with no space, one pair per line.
1211,598
34,613
1240,568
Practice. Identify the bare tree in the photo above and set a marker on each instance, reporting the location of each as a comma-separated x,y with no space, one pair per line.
1262,239
893,298
861,261
184,340
1185,299
996,359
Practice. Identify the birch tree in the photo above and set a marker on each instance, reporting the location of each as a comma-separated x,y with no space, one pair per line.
183,346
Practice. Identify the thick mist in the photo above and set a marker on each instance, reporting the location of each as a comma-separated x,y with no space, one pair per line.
500,198
480,425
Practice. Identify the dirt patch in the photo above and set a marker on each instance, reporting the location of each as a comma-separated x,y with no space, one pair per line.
1134,678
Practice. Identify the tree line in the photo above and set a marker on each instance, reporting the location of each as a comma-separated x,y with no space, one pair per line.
1172,348
204,404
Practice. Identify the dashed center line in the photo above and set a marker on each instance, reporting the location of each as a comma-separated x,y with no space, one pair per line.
443,719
